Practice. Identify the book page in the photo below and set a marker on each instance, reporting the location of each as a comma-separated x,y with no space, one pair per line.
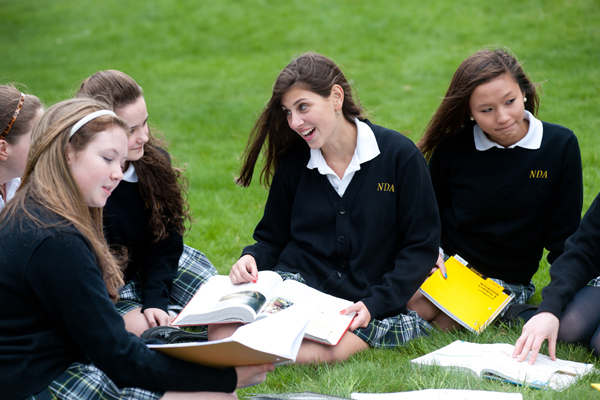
215,297
439,394
495,361
326,323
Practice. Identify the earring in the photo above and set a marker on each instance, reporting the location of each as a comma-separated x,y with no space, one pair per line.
471,118
338,113
524,99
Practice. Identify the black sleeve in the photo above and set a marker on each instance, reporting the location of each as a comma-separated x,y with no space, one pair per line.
64,276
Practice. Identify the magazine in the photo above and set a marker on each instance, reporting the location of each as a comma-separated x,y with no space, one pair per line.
471,299
220,301
495,361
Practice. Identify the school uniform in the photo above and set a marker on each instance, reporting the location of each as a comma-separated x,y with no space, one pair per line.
61,335
371,238
162,274
11,188
500,207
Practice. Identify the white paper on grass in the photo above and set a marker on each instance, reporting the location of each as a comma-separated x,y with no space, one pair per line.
439,394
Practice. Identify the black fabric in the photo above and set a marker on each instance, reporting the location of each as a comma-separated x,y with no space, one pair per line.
500,208
580,322
57,311
375,244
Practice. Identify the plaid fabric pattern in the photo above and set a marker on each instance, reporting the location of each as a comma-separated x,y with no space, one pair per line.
522,293
594,282
85,381
386,333
194,270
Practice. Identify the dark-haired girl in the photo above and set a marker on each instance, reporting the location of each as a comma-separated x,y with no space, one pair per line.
147,214
350,212
507,184
19,112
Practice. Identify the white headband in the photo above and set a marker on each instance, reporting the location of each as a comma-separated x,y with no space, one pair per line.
88,118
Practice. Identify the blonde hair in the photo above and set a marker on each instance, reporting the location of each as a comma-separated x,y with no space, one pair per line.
49,181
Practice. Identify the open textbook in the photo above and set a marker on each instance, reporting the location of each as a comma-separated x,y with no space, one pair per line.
220,301
495,361
273,340
468,297
439,394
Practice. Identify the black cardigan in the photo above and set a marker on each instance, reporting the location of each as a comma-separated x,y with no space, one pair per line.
375,244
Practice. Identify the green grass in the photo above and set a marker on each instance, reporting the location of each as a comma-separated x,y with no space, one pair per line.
207,68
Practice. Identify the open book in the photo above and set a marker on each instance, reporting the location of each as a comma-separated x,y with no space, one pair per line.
220,301
468,297
273,340
495,361
439,394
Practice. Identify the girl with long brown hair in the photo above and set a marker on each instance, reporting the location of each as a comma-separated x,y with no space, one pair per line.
507,184
19,112
61,336
147,214
350,212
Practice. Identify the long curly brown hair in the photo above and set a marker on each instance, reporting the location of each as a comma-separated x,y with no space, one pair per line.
163,187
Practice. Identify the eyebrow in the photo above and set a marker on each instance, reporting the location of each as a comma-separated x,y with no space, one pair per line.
509,94
296,102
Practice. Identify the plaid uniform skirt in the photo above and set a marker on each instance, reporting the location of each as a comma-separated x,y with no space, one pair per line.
522,293
389,332
86,381
194,270
594,282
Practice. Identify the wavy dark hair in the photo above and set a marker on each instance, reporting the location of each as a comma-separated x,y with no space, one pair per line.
9,100
309,71
163,186
454,112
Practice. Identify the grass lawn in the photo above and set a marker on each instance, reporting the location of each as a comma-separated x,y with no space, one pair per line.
207,68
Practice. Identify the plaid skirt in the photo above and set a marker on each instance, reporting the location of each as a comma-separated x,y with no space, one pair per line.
194,270
389,332
86,381
522,293
594,282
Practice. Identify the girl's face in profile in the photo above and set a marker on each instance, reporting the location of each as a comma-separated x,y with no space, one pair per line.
98,167
136,116
312,116
498,107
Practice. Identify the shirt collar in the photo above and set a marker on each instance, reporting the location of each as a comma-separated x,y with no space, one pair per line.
531,141
366,150
130,175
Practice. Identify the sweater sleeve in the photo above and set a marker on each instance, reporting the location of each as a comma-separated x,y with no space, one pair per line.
565,213
576,266
418,236
68,283
159,271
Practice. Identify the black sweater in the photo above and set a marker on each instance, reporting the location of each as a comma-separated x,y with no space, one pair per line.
126,223
501,207
375,244
56,311
577,265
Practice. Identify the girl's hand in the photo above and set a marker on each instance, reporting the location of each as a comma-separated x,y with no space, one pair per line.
251,375
157,317
244,270
441,266
540,327
362,318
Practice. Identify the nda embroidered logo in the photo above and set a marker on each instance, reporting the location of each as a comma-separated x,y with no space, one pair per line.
538,173
385,187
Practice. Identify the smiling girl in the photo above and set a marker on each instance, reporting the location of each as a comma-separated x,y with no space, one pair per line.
61,337
507,185
351,211
146,215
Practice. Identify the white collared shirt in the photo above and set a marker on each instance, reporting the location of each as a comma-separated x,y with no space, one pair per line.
366,150
130,175
11,188
532,139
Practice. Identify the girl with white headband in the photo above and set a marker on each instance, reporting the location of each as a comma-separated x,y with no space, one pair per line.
18,114
61,336
147,214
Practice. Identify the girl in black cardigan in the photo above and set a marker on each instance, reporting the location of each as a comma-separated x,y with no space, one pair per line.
146,215
351,210
61,335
